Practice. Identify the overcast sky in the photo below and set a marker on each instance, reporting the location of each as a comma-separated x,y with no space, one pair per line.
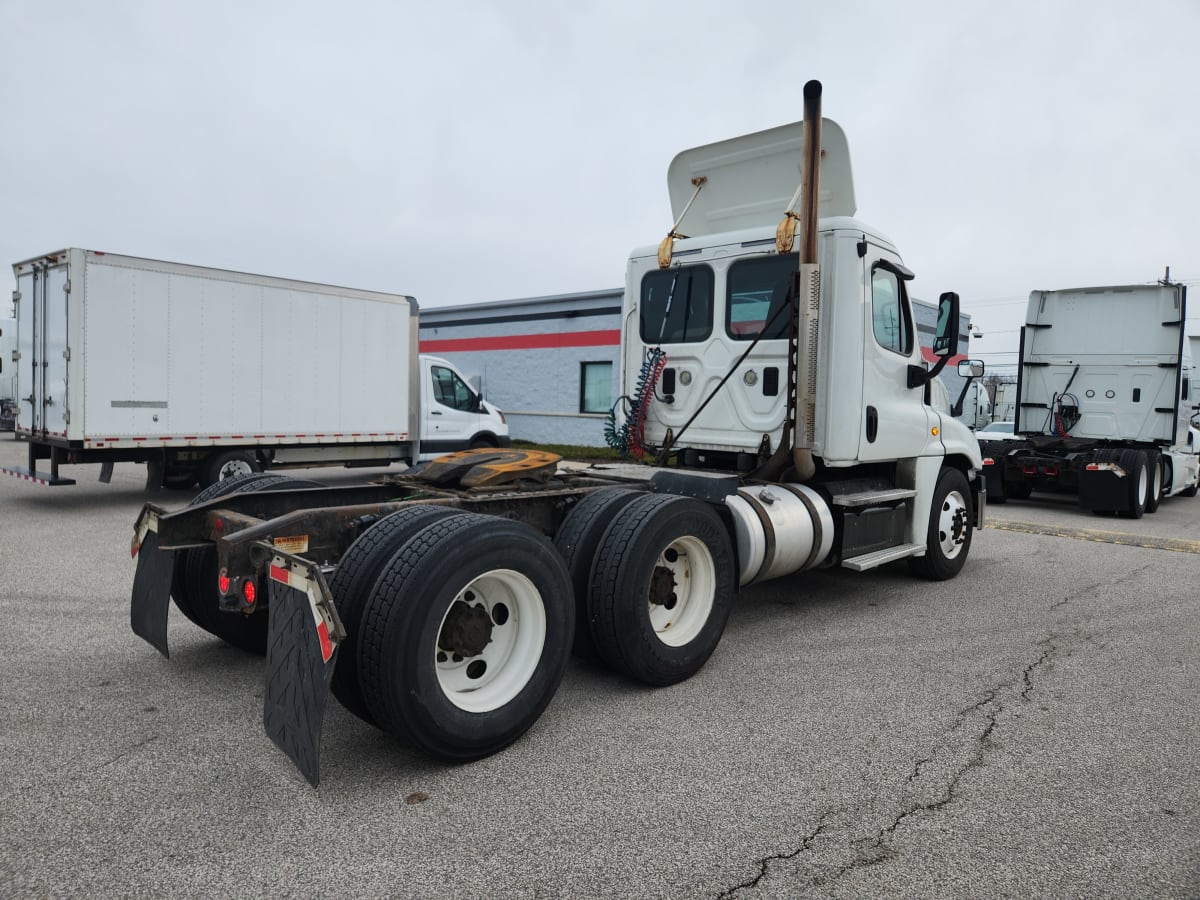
466,152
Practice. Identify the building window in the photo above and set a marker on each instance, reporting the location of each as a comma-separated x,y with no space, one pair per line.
595,387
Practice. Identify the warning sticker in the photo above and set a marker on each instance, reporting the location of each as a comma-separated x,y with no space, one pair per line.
294,544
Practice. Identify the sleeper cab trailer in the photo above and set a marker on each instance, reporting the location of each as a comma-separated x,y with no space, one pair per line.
1104,401
442,604
203,373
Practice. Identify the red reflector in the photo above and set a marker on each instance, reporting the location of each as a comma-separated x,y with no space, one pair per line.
326,643
280,574
988,461
1093,467
1051,471
223,583
248,591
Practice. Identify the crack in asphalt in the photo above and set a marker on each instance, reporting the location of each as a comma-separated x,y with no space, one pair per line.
763,863
875,849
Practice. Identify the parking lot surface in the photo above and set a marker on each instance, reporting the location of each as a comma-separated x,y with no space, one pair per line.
1030,728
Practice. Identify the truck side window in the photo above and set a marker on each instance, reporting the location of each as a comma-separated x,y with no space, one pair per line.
450,390
754,291
889,312
677,305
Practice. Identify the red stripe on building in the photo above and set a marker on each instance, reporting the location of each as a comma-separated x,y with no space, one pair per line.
929,357
603,338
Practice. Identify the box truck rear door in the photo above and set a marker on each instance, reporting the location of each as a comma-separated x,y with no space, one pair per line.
53,352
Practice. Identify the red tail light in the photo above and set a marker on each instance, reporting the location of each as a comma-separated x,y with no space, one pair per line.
248,591
223,584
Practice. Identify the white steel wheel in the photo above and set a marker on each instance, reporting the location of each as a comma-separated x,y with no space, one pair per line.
662,585
466,635
233,468
682,587
952,524
490,641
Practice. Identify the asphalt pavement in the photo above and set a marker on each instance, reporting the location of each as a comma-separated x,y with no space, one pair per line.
1030,728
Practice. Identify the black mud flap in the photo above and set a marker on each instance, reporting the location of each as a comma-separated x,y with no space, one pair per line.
298,677
152,593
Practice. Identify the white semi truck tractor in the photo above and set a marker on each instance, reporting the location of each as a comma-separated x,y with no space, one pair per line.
774,380
1105,400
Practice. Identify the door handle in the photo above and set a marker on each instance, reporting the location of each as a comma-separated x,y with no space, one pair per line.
872,424
435,412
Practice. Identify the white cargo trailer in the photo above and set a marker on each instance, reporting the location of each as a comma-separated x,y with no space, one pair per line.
204,373
1104,400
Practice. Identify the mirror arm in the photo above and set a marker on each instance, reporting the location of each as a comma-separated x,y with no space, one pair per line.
956,409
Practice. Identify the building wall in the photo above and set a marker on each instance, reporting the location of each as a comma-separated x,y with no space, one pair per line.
527,355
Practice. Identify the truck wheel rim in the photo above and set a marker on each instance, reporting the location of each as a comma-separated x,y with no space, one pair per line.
1158,479
952,524
1141,486
234,468
490,641
681,592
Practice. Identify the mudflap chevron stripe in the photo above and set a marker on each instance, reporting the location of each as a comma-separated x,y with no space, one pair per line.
298,678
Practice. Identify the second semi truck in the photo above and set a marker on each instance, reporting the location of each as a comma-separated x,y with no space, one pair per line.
1105,401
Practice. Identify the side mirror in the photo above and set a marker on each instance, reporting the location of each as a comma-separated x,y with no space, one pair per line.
945,339
971,368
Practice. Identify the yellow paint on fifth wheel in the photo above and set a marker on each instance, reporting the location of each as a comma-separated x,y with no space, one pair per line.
1148,541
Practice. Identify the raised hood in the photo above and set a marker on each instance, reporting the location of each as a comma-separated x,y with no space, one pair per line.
752,178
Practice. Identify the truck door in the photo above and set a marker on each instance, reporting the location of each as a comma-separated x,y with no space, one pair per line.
42,346
452,413
895,420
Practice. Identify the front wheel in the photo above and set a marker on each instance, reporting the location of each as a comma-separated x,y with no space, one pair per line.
1154,464
948,540
662,587
466,636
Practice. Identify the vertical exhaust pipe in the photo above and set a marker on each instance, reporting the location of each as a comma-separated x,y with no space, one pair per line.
808,296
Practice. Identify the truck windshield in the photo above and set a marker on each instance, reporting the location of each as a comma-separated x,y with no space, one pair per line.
677,305
755,289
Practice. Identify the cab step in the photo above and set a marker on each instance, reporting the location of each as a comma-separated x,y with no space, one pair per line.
881,557
870,498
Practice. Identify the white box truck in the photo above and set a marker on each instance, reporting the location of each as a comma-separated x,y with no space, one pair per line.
1004,407
203,373
974,407
776,380
1104,401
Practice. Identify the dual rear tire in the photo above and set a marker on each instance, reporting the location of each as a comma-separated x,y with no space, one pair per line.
462,637
459,627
